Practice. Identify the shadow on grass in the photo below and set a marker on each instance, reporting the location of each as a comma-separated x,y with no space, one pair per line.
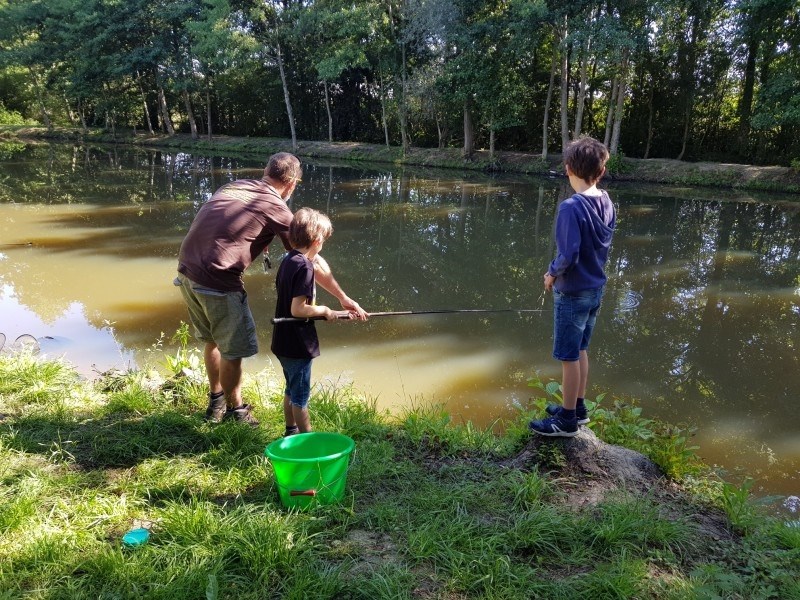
122,440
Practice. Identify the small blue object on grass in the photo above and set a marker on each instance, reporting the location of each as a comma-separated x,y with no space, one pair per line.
136,537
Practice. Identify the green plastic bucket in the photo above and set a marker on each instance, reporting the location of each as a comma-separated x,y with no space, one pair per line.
310,468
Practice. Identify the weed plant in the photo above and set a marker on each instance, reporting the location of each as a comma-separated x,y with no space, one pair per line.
431,509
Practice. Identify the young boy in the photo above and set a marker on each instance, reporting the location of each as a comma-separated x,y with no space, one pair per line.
296,343
584,228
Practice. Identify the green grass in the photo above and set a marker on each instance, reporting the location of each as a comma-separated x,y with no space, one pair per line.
431,509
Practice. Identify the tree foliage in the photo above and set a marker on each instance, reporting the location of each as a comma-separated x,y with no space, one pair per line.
690,79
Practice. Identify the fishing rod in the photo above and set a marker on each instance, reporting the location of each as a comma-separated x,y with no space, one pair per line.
400,313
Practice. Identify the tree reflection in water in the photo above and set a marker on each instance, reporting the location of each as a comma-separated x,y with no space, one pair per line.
700,321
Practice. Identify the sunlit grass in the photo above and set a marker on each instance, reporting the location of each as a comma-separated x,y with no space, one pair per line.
429,511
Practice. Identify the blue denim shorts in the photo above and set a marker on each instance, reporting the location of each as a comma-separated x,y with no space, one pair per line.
297,372
574,316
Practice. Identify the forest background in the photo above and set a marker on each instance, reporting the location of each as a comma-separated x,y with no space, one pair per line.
712,80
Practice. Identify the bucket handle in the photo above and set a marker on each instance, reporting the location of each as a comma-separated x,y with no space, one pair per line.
303,493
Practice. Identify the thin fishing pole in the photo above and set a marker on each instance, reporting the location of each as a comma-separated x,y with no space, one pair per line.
401,313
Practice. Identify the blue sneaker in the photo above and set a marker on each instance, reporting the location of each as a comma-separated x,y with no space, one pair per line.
555,426
580,412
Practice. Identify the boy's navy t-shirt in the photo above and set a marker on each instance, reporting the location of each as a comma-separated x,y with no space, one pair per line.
295,278
584,228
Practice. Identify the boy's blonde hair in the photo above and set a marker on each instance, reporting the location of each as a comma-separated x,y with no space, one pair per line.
309,225
586,157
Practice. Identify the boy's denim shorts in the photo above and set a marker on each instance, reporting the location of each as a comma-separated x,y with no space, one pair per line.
223,318
574,316
297,372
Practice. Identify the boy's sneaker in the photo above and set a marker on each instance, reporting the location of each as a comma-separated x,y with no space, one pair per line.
555,426
580,412
242,414
216,410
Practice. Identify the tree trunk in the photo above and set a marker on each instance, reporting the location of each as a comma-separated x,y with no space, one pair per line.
190,113
383,110
620,109
40,99
546,120
746,101
492,137
687,118
582,90
164,111
469,132
610,115
440,131
71,115
564,88
649,120
208,105
403,107
688,80
82,117
286,98
328,108
144,105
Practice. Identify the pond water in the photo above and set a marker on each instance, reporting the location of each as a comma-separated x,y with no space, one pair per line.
699,323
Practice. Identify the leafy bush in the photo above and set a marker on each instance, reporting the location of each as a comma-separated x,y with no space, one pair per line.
12,117
616,164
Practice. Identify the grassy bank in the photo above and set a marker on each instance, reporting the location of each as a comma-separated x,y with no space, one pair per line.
620,168
431,510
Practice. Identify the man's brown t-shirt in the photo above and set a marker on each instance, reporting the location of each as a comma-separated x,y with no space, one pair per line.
230,231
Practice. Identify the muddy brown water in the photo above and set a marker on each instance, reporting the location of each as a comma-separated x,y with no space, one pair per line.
699,324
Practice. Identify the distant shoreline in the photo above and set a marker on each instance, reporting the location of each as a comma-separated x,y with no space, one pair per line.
654,170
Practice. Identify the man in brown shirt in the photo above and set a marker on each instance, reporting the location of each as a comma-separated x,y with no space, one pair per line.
227,235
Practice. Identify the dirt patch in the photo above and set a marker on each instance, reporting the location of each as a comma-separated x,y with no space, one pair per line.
596,467
592,470
369,549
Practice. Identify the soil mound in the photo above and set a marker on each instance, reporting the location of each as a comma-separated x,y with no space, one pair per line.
600,467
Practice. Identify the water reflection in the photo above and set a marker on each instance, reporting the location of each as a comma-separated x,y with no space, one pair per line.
97,348
700,322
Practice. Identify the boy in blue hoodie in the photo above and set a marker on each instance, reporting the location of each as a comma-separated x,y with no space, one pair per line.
584,228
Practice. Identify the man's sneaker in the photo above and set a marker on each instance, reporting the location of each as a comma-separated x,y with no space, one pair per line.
216,409
555,427
242,414
580,412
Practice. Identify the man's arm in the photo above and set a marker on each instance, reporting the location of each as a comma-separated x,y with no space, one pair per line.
325,278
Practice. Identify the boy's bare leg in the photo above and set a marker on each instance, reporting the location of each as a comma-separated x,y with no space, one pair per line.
574,377
570,383
584,367
288,413
302,419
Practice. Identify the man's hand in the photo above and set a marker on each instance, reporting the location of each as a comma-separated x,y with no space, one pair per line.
355,310
548,282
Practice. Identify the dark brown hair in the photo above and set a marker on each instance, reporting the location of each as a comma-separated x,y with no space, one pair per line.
307,226
586,157
283,167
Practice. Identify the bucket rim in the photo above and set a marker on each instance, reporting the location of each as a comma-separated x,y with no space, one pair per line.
311,459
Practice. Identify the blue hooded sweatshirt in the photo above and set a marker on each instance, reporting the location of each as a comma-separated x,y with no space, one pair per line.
584,227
